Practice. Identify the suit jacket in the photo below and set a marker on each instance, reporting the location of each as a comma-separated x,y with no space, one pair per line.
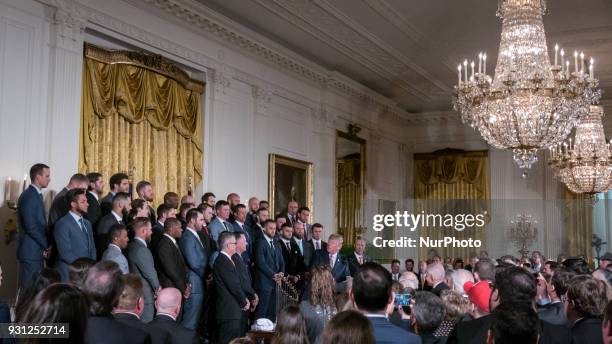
59,207
439,288
354,263
216,226
104,226
72,242
114,253
245,276
246,255
293,258
94,211
307,231
268,262
323,245
196,260
157,233
141,262
32,225
307,254
178,334
171,267
158,335
387,333
554,313
340,270
106,203
289,220
251,220
229,294
587,330
105,329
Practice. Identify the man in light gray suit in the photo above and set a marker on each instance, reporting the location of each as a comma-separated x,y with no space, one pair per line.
118,241
73,233
141,262
220,223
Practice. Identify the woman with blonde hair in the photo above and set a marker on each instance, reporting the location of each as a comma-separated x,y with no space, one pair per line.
320,308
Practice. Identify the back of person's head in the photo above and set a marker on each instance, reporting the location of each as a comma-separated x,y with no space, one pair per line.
348,327
436,271
322,286
241,340
168,301
459,277
45,278
485,270
59,303
132,292
587,296
372,288
577,265
428,312
560,280
515,285
120,198
77,270
607,323
513,324
409,279
457,306
103,287
290,327
171,199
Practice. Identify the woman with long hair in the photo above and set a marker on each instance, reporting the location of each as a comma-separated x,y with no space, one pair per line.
320,308
45,278
348,327
290,327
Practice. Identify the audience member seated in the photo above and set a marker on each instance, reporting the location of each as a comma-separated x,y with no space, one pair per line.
103,286
459,277
130,307
479,295
77,271
484,270
320,308
371,294
457,308
435,278
290,327
59,303
348,327
409,280
427,312
586,303
168,306
512,324
45,278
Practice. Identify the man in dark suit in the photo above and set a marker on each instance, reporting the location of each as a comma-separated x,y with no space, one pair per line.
239,225
230,296
317,237
305,247
61,205
332,258
294,261
514,325
141,263
395,270
170,265
554,312
435,278
245,279
164,212
119,182
251,218
586,301
94,190
145,192
371,293
291,215
196,259
168,306
121,205
103,287
233,199
130,308
303,215
269,267
73,233
258,231
358,258
33,244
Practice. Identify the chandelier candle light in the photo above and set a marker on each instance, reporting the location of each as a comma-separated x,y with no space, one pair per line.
528,104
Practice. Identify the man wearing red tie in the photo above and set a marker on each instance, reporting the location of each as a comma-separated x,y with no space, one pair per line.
359,257
292,208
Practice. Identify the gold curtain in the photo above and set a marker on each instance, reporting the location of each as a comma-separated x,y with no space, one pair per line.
349,193
452,182
140,115
579,224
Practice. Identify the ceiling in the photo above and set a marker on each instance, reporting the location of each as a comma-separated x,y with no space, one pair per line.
408,50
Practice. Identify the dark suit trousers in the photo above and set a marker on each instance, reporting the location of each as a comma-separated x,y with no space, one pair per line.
267,305
28,271
229,329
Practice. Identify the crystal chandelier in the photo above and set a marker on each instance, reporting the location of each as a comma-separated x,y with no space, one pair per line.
585,165
528,105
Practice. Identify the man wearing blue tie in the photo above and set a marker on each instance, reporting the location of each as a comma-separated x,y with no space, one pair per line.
269,267
220,223
33,246
73,233
239,225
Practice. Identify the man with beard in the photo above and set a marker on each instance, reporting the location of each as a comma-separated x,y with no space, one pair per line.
94,191
251,218
145,192
119,182
122,204
73,233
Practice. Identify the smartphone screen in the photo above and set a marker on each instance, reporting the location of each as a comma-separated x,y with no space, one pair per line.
402,299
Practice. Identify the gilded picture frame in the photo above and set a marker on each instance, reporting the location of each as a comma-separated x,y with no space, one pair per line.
289,179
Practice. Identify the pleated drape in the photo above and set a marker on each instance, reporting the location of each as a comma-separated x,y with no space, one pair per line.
452,182
350,195
579,224
136,120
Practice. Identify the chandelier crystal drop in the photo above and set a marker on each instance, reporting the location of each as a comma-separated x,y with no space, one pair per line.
529,104
585,165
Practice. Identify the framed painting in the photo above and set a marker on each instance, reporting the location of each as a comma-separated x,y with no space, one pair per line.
289,180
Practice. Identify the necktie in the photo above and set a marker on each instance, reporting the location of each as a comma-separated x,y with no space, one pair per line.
82,223
226,226
360,259
205,229
317,245
331,261
288,246
300,246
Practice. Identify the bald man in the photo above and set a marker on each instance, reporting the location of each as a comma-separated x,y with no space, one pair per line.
168,305
291,216
435,278
409,279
